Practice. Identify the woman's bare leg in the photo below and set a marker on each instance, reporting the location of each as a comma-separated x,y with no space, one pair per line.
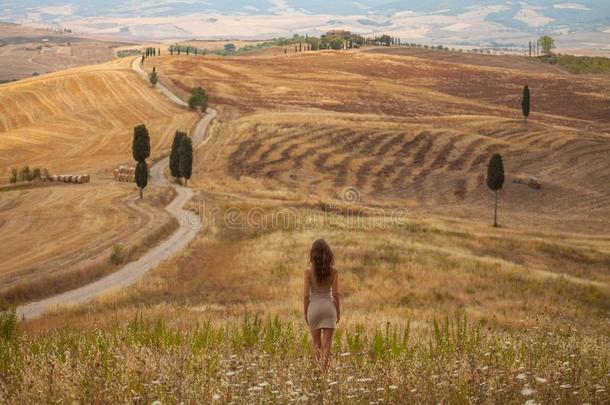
327,343
316,336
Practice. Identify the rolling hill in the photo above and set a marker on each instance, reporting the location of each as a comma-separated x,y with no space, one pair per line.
74,122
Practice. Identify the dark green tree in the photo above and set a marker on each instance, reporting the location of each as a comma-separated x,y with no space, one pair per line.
142,176
141,143
198,99
14,172
186,158
525,102
495,180
153,77
174,156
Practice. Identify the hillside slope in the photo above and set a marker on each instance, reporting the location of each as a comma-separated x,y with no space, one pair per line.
407,131
74,122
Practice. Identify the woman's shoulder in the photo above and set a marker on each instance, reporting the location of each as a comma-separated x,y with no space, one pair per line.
308,271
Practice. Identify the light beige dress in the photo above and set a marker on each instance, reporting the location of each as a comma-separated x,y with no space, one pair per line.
321,313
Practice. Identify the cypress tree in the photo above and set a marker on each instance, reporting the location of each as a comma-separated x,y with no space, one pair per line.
174,156
153,77
525,102
186,158
495,180
141,143
142,176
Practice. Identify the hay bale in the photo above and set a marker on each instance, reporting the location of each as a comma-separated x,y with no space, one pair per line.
87,178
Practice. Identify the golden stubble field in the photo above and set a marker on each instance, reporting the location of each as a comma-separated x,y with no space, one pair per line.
74,122
331,145
302,133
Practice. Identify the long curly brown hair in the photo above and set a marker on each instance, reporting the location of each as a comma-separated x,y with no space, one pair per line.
322,260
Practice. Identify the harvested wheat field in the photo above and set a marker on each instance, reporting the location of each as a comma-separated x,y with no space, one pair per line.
406,131
57,236
385,157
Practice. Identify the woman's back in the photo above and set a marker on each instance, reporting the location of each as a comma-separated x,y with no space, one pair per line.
320,289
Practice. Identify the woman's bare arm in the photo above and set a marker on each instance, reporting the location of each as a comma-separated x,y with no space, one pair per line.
306,284
336,299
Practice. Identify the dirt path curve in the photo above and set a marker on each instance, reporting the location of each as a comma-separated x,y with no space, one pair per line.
188,228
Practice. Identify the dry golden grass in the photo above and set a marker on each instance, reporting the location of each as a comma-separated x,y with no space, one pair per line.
292,133
405,131
74,122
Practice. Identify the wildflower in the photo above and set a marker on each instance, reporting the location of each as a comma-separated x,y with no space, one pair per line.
263,384
520,376
288,382
565,386
230,373
216,397
413,390
393,387
484,368
527,391
541,380
157,402
255,388
365,380
332,383
350,378
345,354
530,402
380,389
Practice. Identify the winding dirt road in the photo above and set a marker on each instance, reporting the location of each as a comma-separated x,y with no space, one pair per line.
188,228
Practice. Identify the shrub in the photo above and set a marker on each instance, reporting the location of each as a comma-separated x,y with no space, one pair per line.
116,257
14,174
8,324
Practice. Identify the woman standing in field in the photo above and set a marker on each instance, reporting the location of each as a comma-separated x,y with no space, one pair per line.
321,304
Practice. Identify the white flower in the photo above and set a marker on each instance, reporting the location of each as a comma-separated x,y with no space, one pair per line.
216,397
364,380
541,380
252,389
230,373
380,389
288,382
157,402
332,383
527,391
393,387
263,384
484,368
530,402
520,376
565,386
414,390
345,354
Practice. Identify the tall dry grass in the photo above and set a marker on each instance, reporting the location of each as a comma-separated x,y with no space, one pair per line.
266,360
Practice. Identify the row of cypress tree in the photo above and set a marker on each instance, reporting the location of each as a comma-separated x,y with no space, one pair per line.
181,157
495,169
180,160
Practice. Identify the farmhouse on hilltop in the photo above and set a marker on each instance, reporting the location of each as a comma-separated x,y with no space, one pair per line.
341,34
